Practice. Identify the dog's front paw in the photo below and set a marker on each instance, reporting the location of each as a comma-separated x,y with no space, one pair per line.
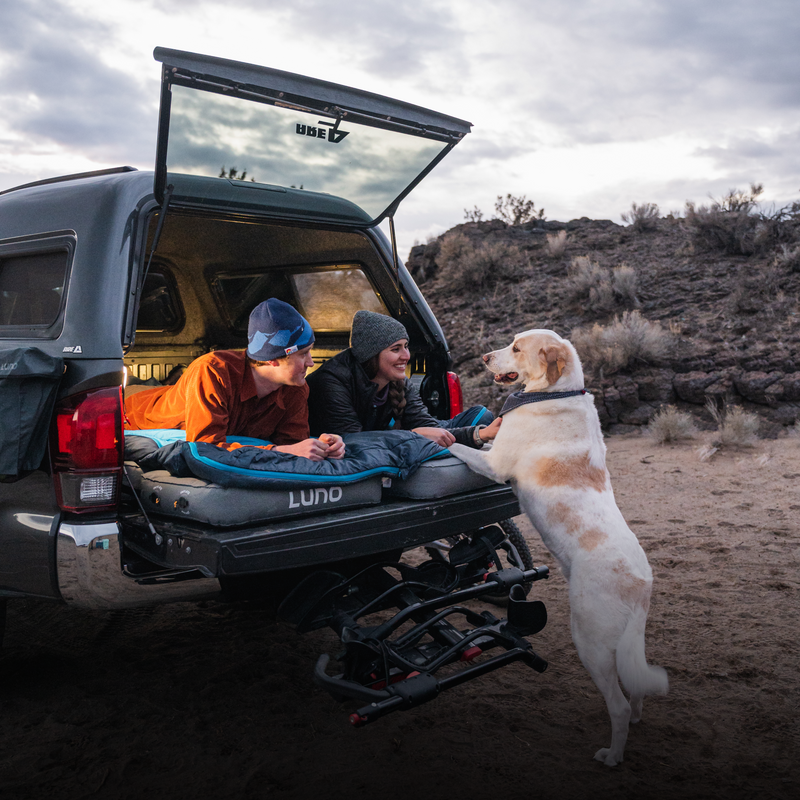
605,755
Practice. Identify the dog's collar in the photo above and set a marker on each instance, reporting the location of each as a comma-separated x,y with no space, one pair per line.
517,399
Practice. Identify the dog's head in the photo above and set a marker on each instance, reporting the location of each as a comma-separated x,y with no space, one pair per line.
540,359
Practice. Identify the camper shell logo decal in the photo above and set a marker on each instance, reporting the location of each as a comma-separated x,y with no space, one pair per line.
330,132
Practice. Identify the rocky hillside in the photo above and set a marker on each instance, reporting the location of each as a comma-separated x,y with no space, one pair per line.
718,307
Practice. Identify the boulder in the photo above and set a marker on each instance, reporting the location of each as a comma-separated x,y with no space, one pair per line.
757,387
791,386
638,416
691,386
656,386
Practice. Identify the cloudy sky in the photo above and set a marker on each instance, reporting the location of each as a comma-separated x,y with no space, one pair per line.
583,106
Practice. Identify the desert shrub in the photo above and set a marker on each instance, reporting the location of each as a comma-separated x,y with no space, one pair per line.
589,284
556,244
671,425
642,218
627,340
787,258
625,285
476,215
461,263
452,248
599,289
754,292
737,226
490,262
735,426
516,210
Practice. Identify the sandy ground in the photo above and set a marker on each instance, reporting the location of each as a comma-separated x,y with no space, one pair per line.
212,700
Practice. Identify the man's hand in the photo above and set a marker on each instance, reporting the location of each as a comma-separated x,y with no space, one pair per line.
327,446
441,436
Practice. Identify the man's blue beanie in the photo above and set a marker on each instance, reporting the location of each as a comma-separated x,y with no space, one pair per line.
276,330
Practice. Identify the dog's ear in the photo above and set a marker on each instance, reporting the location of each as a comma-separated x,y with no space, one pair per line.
555,359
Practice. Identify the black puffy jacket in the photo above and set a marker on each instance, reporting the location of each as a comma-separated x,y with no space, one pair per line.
341,402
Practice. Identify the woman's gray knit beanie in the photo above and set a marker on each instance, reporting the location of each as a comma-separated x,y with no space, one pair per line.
371,333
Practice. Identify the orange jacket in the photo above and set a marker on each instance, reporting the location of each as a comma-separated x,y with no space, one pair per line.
216,397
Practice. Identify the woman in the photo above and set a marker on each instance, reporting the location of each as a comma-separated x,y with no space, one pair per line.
365,388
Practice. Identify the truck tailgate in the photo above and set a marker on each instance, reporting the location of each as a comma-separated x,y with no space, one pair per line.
318,539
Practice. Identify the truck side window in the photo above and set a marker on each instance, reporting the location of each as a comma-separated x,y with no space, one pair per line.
31,287
160,309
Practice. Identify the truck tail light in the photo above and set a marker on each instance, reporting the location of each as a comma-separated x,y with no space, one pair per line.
86,444
456,395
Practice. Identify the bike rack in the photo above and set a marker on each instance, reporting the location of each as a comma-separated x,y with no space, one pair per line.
392,663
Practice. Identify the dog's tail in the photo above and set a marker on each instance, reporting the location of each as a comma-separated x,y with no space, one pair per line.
637,676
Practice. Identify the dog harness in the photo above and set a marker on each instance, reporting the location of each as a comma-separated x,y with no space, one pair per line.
517,399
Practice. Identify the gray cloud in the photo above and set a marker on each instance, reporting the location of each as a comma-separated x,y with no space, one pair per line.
635,70
54,88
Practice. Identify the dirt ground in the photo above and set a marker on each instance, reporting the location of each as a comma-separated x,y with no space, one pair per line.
217,701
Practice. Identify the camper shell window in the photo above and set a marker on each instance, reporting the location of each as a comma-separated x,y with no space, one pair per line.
33,281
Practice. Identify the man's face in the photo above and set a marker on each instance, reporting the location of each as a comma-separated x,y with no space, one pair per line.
288,371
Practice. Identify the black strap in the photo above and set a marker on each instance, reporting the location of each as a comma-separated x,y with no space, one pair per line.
518,399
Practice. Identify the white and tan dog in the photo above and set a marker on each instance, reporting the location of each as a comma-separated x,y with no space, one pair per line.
552,452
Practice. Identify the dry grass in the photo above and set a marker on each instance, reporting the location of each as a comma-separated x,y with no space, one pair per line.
735,426
671,425
627,340
556,244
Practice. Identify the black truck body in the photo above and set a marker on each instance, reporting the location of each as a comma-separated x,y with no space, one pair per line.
121,277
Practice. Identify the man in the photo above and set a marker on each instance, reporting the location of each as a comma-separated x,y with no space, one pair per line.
260,392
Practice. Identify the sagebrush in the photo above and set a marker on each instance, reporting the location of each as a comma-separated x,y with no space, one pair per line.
735,426
599,289
671,425
642,217
462,264
627,340
737,225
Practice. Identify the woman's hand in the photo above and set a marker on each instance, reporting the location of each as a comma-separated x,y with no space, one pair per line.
328,445
440,436
488,433
335,445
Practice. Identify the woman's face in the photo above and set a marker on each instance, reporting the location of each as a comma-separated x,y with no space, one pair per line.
392,362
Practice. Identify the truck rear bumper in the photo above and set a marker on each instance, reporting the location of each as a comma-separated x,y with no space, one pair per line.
91,572
317,540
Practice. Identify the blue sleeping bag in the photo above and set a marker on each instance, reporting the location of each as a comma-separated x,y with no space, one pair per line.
386,453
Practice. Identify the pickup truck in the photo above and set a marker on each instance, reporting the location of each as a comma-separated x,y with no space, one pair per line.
266,184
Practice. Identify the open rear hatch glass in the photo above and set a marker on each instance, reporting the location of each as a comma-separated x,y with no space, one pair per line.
292,132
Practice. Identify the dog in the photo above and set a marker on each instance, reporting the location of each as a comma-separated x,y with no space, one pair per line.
551,449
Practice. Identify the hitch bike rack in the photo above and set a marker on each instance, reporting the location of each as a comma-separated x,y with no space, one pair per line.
394,662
